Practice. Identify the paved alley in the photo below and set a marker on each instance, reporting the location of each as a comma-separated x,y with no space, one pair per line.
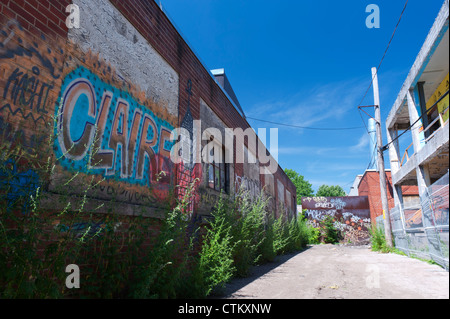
343,272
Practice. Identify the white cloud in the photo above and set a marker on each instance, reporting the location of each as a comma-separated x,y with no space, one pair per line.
363,144
306,150
312,107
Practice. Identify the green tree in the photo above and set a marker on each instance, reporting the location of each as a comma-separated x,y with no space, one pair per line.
330,191
304,188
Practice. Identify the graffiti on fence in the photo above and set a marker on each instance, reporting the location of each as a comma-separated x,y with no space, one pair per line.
350,215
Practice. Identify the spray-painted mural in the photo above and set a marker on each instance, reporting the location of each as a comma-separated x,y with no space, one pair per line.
104,130
103,125
350,215
30,72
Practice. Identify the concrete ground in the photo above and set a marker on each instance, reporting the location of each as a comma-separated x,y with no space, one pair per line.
342,272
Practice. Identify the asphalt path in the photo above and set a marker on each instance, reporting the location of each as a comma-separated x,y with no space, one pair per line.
342,272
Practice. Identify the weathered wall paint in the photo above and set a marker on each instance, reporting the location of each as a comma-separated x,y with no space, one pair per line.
30,74
105,30
18,183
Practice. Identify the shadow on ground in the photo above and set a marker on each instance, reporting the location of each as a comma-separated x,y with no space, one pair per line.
255,273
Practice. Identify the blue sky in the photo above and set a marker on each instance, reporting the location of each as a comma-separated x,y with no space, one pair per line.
308,63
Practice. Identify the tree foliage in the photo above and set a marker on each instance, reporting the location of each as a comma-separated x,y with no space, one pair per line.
304,188
330,191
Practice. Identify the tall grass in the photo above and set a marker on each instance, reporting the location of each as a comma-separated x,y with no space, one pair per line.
127,257
243,234
378,240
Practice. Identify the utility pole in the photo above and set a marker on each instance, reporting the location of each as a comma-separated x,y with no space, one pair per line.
382,173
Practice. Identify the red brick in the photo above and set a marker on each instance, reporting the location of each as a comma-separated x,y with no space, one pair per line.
18,8
153,24
370,186
35,12
7,12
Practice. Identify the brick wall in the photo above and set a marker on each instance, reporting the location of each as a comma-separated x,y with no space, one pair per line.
38,16
45,67
370,186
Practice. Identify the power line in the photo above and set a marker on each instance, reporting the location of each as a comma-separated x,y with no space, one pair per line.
307,127
375,74
385,51
365,94
385,147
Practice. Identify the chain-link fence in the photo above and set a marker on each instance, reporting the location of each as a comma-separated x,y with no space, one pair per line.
435,219
423,231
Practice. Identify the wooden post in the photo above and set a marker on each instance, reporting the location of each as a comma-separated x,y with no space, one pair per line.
382,173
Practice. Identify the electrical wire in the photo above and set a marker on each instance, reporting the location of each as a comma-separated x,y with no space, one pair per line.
365,94
420,117
307,127
385,51
376,72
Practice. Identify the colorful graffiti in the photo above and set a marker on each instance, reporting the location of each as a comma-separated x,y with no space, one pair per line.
83,229
350,215
104,130
17,184
100,123
188,172
27,90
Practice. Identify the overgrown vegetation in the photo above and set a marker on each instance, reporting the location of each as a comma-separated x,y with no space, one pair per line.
378,240
331,234
243,234
119,256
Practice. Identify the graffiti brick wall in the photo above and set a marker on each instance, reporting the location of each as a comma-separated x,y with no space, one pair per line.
350,215
108,94
159,32
103,124
32,55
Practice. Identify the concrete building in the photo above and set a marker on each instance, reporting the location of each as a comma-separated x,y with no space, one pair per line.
421,111
422,108
354,188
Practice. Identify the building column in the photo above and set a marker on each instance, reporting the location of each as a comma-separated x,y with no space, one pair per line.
413,117
423,178
394,158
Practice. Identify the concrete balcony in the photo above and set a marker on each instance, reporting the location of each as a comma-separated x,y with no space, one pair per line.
435,154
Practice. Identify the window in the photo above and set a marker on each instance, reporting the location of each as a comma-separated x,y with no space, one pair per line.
218,173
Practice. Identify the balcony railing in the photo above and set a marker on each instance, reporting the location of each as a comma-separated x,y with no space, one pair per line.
437,123
431,128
